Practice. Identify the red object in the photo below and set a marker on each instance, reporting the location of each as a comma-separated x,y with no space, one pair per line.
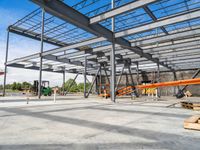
1,73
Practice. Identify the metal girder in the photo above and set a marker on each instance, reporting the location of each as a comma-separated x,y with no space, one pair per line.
73,46
154,18
180,57
65,60
162,22
164,38
34,56
65,12
33,35
176,52
33,68
174,46
120,10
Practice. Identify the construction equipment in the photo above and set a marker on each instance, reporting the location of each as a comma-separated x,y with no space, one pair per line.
46,90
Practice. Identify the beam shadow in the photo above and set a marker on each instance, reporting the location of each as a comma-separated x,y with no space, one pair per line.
117,129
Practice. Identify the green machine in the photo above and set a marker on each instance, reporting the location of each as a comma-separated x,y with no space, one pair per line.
45,90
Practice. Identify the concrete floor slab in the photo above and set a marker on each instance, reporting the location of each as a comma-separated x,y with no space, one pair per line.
76,123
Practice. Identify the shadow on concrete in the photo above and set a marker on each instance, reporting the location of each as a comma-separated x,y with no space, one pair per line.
89,146
170,139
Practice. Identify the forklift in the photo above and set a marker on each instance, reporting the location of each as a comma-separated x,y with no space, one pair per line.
45,89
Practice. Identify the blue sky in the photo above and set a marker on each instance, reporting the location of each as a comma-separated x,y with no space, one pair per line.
10,12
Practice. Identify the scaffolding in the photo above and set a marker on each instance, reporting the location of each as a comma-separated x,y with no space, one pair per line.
159,35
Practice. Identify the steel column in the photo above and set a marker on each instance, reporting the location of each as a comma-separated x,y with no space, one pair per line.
63,82
41,51
137,73
85,76
158,78
6,59
112,60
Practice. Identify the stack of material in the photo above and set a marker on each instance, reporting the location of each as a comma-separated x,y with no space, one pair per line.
191,105
192,123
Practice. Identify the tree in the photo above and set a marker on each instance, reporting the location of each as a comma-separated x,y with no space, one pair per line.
81,87
14,86
73,88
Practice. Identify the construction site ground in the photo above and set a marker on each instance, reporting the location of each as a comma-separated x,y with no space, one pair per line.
73,122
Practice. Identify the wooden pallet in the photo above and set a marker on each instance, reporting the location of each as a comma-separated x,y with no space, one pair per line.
192,123
191,105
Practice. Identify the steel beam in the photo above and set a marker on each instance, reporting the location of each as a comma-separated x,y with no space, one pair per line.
63,86
164,38
5,64
112,58
41,51
162,22
173,46
120,10
64,12
85,77
154,18
158,79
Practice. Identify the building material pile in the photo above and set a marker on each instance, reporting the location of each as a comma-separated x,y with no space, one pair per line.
191,105
192,123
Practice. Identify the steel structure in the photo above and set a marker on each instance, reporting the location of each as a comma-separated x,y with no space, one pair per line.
149,34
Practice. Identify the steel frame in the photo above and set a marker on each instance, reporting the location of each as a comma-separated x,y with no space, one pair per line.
103,39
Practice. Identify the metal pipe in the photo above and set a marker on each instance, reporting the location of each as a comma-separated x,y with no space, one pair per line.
6,59
112,60
85,76
41,51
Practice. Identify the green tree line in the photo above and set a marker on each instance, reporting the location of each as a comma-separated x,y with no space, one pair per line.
17,86
25,85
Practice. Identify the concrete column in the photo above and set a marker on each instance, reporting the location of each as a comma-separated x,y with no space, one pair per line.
6,59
